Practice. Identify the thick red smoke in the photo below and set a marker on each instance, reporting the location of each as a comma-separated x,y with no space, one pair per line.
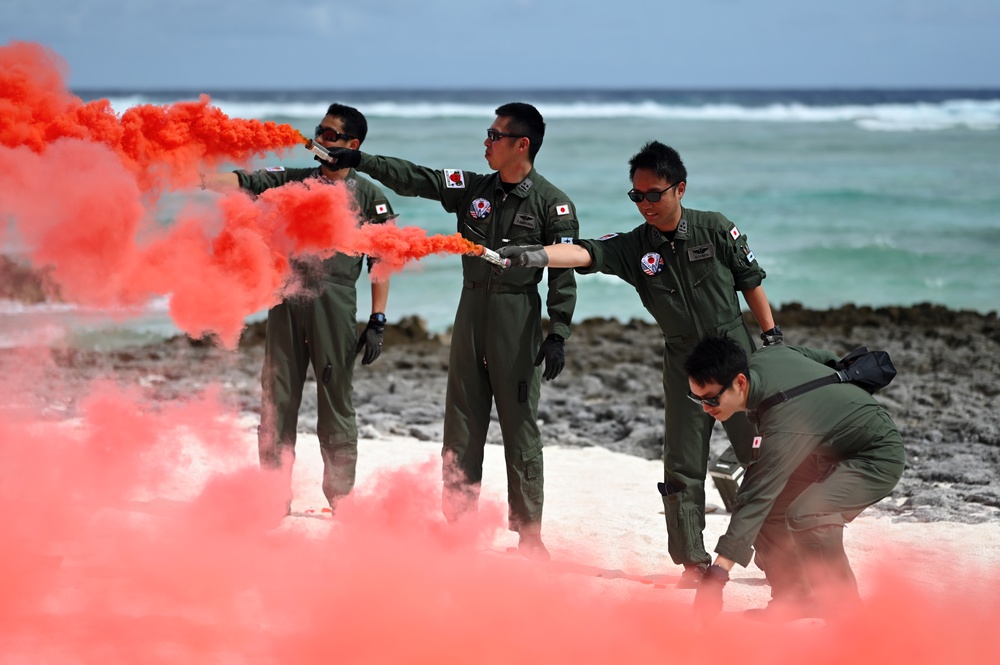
81,185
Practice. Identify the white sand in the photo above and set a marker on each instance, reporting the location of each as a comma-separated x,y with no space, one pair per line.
603,514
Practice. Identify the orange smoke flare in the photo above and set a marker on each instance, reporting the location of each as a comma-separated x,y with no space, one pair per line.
161,145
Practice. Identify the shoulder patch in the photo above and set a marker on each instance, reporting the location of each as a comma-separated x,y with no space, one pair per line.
566,240
750,256
275,168
608,236
734,232
454,179
381,208
562,209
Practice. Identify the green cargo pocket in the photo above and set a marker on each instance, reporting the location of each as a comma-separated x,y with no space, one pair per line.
532,458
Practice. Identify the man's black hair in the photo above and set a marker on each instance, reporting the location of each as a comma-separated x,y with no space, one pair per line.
717,359
354,121
524,119
661,159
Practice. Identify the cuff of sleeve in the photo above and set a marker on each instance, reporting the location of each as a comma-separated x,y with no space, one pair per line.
560,329
733,550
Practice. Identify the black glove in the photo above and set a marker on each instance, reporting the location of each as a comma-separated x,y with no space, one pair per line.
554,354
526,256
371,338
772,336
708,597
343,158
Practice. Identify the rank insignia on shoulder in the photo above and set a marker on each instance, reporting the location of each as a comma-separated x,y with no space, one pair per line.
454,178
275,168
562,209
608,236
381,208
651,263
734,232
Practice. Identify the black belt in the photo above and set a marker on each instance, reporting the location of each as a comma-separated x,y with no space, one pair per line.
500,287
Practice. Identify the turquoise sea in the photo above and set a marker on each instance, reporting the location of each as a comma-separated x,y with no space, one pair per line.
872,197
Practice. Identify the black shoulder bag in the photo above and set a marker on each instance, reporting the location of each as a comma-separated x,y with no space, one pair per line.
871,370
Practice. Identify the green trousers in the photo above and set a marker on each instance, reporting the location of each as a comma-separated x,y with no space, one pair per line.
493,346
322,331
688,430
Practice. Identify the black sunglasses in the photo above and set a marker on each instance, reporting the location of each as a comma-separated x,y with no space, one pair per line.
331,134
710,401
652,197
496,135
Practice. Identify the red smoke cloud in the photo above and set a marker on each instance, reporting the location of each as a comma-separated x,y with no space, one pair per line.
81,185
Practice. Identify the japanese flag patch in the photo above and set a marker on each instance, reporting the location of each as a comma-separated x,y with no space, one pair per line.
734,232
381,209
562,209
454,179
755,452
275,168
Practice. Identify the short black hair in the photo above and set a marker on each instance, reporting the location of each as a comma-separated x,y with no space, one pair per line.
524,119
661,159
354,121
717,359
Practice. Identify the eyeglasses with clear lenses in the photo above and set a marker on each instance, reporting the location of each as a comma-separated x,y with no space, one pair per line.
330,134
495,135
710,401
652,197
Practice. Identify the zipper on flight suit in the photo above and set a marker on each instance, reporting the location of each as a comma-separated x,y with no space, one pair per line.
494,241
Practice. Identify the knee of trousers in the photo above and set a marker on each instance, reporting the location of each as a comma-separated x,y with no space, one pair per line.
800,521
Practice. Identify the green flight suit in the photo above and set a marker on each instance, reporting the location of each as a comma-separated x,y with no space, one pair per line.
497,331
824,456
690,286
318,327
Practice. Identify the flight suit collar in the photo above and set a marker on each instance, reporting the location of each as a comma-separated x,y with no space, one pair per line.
657,237
522,189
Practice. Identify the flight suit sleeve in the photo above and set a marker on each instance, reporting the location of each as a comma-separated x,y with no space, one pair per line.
561,227
449,186
821,356
256,182
780,454
735,252
609,253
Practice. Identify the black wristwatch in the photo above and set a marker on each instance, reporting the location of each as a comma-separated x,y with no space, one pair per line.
378,317
772,336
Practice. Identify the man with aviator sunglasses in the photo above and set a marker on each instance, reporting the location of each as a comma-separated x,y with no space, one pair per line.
497,341
319,326
819,459
688,267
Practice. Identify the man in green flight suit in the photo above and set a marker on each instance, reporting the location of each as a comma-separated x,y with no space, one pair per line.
687,267
319,325
497,342
821,458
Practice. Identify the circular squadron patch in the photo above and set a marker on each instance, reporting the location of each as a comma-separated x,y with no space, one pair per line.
480,209
652,263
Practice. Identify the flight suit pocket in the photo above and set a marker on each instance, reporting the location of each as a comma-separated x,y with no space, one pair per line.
532,459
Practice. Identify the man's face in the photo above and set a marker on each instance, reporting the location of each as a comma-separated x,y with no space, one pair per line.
728,397
665,213
504,151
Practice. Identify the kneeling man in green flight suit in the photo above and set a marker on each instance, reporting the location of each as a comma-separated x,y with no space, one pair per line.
821,458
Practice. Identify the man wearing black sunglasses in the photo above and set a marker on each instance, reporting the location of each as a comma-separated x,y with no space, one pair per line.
819,459
688,267
320,325
497,341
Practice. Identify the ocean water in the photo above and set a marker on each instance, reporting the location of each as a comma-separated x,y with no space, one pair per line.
870,197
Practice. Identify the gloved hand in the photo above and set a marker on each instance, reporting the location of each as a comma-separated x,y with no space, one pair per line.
371,339
772,336
708,597
343,158
554,353
525,256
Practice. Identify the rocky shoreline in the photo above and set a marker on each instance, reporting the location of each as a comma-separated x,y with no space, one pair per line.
945,399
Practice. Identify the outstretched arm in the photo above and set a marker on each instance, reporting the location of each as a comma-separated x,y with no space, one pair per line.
553,256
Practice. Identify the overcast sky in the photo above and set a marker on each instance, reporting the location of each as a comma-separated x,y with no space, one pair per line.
270,44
